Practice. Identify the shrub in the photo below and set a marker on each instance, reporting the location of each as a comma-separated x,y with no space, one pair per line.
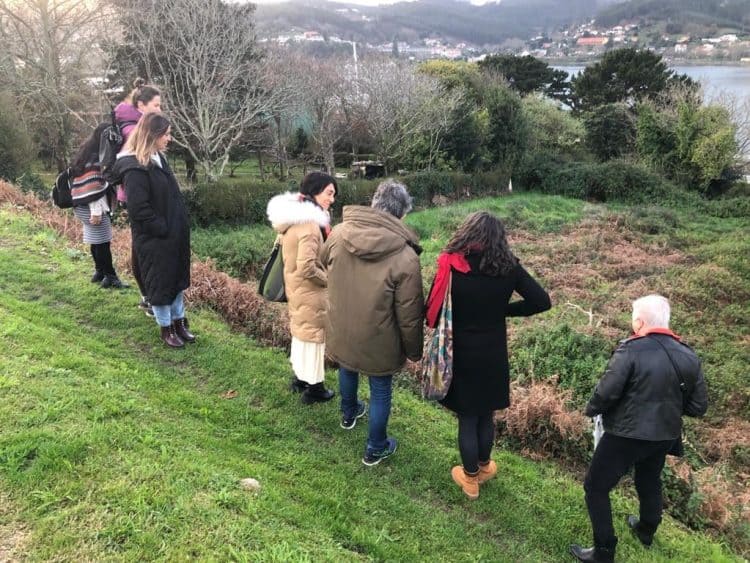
540,422
610,131
615,180
728,207
231,202
577,360
239,251
651,219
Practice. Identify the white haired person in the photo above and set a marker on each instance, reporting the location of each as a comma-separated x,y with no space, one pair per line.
302,221
651,381
376,306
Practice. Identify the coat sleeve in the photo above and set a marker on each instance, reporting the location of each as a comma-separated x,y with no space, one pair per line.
409,305
308,256
609,390
697,403
535,299
139,204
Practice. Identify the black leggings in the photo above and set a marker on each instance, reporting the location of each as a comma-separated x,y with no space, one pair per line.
102,256
475,437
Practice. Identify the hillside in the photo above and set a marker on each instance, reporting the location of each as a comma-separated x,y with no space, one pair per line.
113,447
453,20
684,16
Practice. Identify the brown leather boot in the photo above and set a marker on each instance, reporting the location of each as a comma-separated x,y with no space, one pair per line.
486,471
468,483
181,329
170,338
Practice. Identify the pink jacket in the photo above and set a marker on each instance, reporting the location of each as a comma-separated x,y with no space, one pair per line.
129,115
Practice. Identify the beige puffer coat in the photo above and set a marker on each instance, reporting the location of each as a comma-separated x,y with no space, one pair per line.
298,222
375,283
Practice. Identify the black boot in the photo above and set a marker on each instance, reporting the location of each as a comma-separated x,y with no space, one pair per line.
181,327
297,385
316,394
640,530
170,338
114,282
593,554
97,277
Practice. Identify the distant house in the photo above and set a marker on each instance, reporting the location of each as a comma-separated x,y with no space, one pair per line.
592,41
680,48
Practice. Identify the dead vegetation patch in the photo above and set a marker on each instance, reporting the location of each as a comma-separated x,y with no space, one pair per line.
13,534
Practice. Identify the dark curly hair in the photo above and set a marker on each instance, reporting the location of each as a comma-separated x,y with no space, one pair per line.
484,234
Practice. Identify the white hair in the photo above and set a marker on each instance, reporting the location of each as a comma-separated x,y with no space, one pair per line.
653,310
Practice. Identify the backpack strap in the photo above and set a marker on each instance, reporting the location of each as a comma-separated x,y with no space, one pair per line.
678,372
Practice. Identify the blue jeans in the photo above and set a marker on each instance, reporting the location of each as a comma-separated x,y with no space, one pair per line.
381,387
165,314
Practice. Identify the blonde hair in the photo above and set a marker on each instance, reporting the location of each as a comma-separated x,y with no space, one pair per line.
143,139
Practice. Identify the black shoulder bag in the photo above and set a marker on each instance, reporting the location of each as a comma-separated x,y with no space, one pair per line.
677,449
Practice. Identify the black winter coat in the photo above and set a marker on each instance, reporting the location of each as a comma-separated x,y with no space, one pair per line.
639,393
481,378
160,227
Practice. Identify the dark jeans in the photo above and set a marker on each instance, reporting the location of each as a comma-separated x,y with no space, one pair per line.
102,255
381,387
475,437
613,458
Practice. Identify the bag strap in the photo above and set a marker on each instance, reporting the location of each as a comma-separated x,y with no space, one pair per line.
683,385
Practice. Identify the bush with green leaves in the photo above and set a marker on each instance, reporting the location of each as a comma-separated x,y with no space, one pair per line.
240,251
577,359
612,181
552,129
507,129
610,131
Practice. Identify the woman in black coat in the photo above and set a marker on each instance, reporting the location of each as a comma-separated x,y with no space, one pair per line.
485,274
159,224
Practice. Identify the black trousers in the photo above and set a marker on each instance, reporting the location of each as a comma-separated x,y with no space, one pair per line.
102,255
613,458
476,435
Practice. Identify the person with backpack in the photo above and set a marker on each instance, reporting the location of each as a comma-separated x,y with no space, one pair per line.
652,380
92,200
142,100
160,225
303,223
481,272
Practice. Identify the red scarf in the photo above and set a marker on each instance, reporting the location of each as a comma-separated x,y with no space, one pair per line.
435,300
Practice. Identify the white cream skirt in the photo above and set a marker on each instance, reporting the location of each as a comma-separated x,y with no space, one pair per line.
307,360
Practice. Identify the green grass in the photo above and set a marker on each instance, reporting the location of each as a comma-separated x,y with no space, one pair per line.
113,447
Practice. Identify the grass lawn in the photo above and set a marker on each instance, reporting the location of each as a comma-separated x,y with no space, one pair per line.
113,447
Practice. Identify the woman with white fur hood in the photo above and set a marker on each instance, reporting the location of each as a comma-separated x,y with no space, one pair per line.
303,224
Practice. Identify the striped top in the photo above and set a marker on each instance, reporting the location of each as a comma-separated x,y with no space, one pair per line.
88,186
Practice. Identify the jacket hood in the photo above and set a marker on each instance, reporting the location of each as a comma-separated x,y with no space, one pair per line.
124,163
286,210
372,234
126,112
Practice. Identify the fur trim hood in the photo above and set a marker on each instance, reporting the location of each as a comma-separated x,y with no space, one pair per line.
288,209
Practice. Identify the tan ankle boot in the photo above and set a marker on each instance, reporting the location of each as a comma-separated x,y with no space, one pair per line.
487,471
468,483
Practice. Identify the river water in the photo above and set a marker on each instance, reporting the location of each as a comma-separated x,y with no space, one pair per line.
716,80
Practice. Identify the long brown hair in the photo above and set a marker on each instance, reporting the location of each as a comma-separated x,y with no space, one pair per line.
484,234
142,141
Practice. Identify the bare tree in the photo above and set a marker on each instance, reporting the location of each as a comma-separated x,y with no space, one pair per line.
53,46
739,109
402,106
217,86
325,88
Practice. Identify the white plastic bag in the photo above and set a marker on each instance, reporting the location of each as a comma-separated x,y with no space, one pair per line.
598,429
